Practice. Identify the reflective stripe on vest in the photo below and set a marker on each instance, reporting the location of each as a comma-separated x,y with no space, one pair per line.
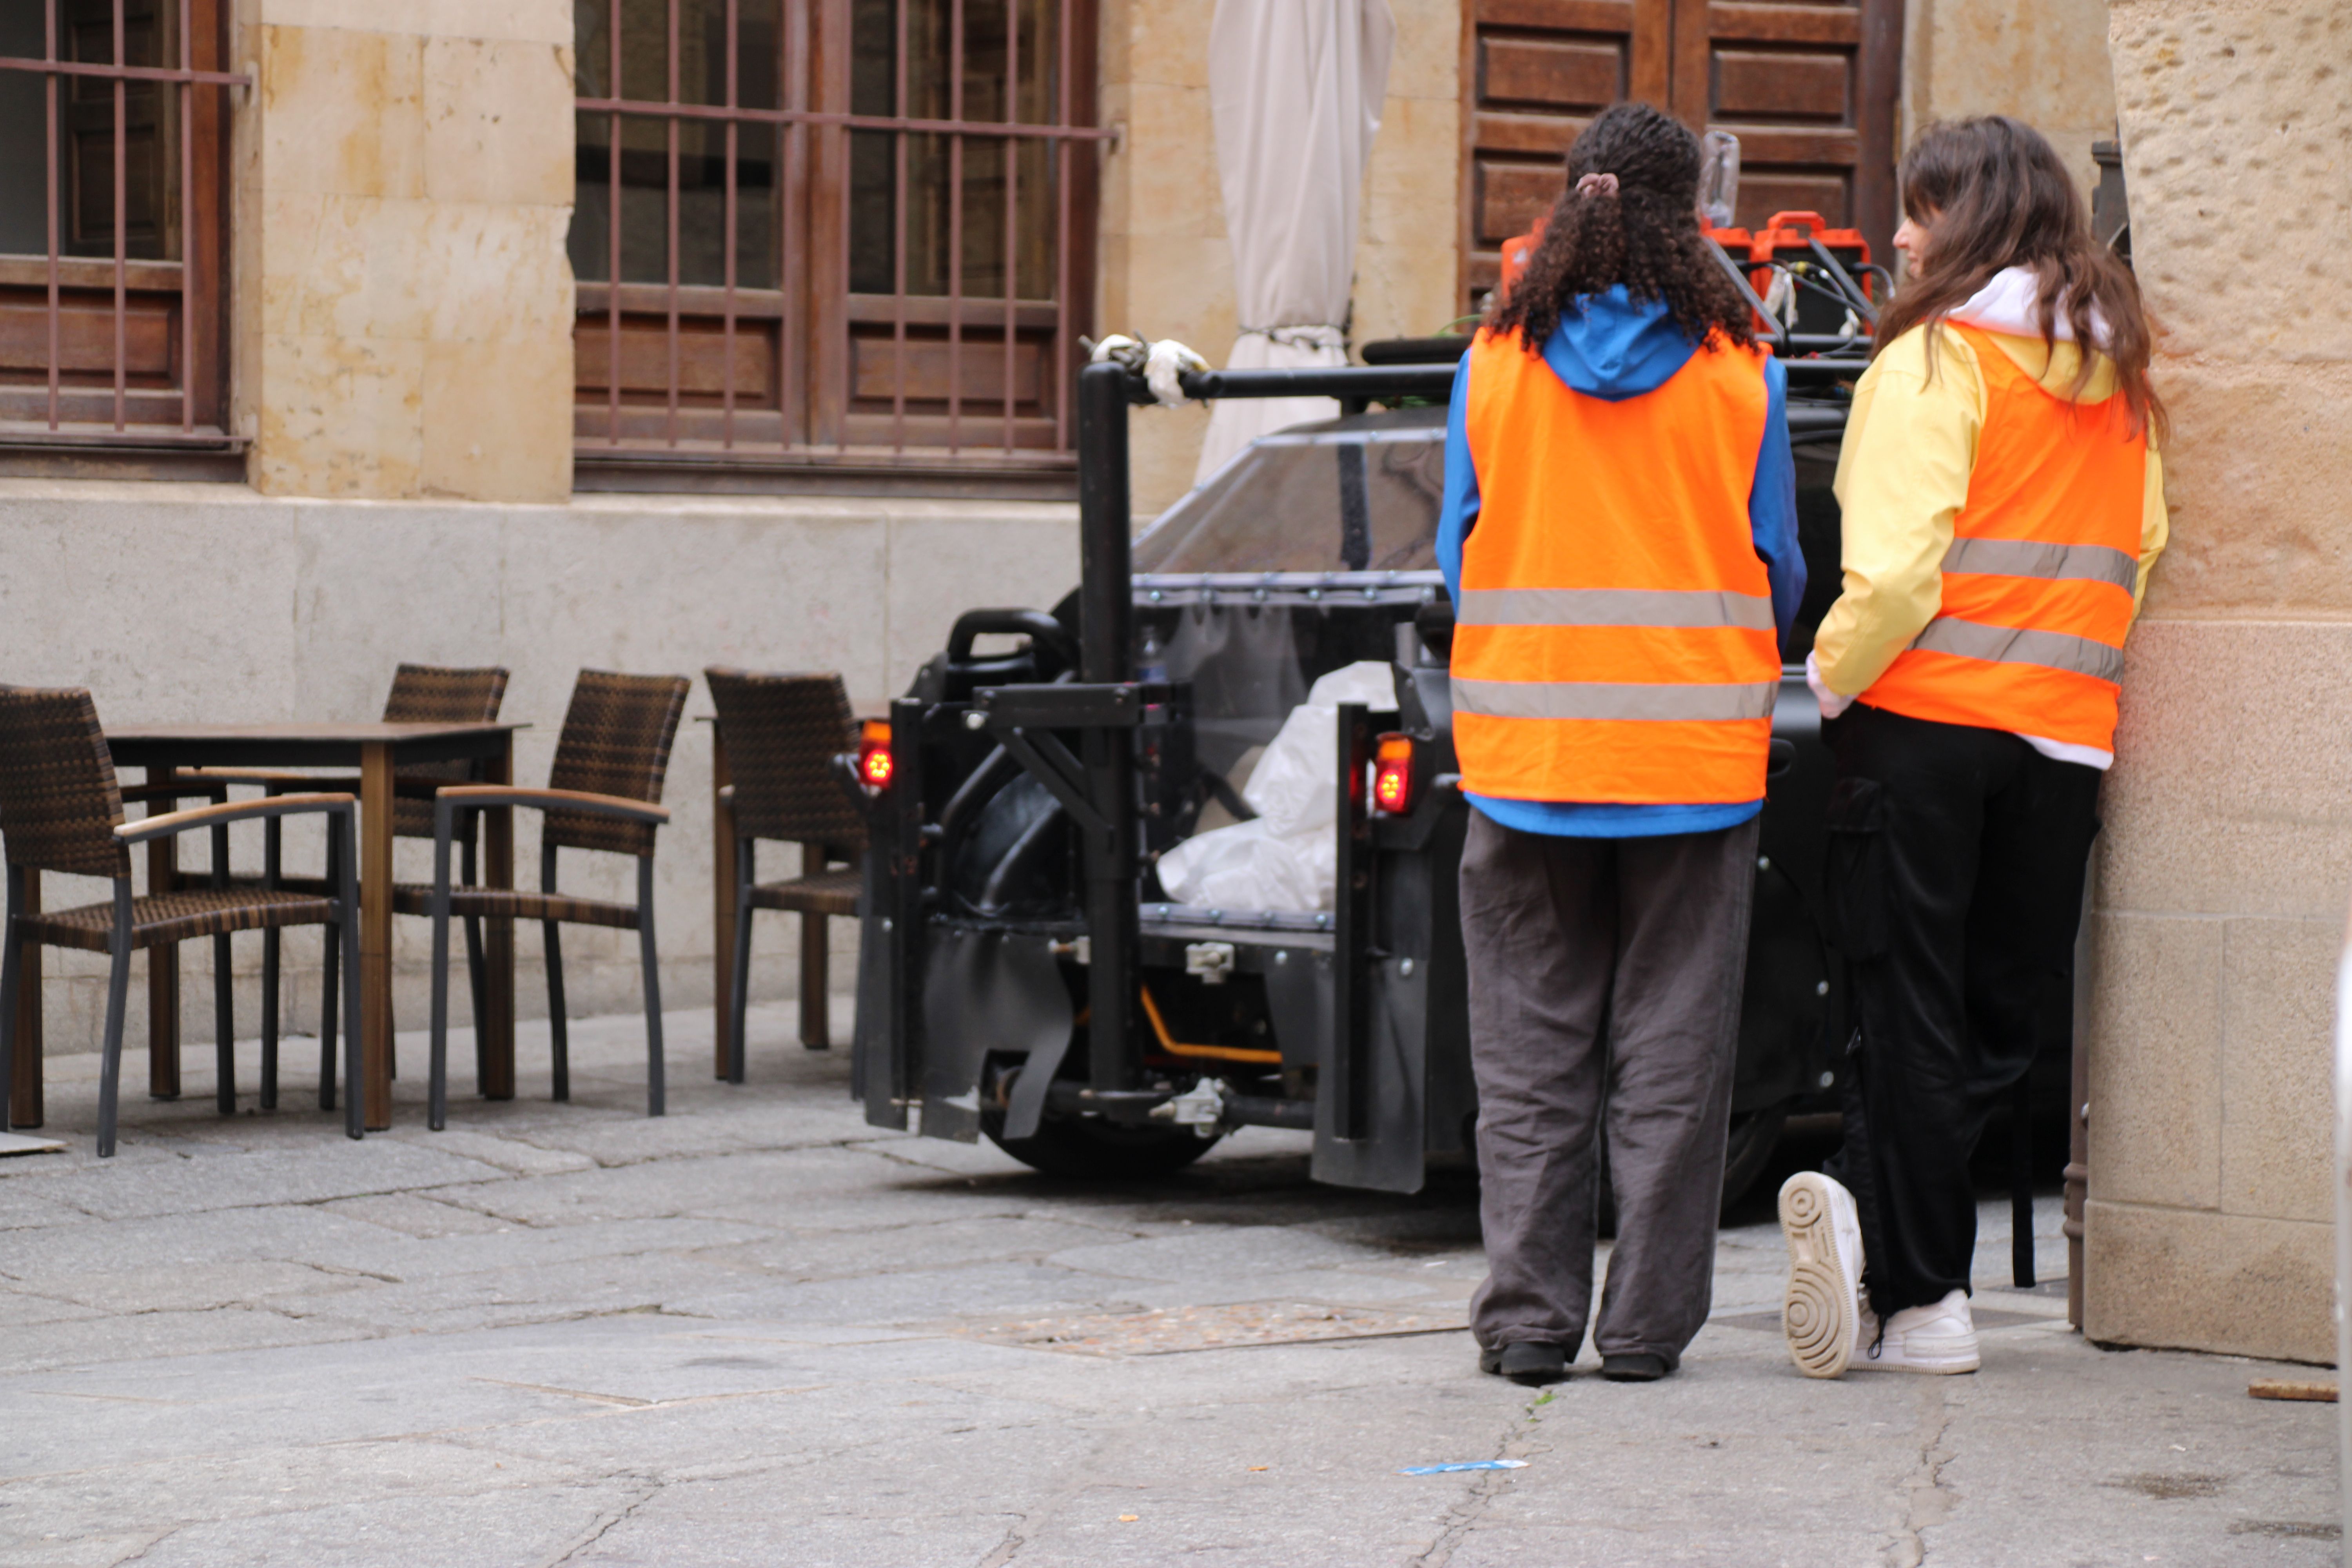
2059,563
1612,608
1614,640
2038,581
1629,700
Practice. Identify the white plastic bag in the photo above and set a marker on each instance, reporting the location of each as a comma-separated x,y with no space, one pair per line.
1285,858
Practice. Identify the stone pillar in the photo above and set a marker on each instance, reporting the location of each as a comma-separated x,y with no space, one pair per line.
403,188
2228,853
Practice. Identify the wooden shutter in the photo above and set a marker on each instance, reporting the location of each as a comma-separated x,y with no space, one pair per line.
1808,87
1534,73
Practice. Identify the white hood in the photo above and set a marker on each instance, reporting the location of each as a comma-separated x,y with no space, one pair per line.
2005,304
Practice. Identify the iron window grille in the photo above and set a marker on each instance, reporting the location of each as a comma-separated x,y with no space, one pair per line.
113,121
845,233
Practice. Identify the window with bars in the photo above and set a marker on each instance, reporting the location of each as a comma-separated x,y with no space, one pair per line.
846,233
112,128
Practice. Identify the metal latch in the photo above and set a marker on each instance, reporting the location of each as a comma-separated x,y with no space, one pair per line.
1201,1107
1209,961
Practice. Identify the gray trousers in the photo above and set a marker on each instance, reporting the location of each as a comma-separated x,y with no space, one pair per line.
1647,940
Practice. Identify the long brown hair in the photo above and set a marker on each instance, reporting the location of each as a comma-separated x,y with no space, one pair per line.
1994,194
1644,235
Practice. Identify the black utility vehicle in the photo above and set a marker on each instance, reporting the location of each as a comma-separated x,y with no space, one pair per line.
1024,975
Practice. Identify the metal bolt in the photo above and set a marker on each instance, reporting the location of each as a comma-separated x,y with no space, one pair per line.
885,922
975,720
1828,1079
1282,955
1405,967
1763,862
1821,987
1155,595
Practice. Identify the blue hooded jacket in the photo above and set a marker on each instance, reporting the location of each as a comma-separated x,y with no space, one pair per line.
1615,349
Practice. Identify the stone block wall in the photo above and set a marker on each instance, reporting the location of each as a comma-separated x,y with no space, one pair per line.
402,307
176,603
2227,858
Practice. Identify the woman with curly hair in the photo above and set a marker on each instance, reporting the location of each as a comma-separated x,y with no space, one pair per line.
2003,503
1619,534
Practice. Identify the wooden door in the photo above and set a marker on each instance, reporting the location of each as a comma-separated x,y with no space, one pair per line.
1807,86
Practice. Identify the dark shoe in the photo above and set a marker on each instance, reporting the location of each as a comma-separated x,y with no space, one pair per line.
1633,1366
1527,1361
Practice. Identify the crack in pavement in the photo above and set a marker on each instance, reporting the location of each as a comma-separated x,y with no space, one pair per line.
1459,1520
1926,1501
653,1486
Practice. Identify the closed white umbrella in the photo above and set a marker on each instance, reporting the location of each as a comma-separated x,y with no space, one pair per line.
1294,89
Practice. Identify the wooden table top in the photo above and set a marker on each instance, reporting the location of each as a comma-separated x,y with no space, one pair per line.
361,732
289,743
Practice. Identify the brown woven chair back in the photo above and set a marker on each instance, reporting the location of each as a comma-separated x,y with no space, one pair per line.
782,732
616,740
60,804
429,694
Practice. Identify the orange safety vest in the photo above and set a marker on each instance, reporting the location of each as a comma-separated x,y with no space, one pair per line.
2037,589
1615,642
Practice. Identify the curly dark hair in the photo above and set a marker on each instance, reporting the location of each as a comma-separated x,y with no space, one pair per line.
1645,236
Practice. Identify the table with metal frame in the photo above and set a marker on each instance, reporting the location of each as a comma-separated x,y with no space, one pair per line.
376,751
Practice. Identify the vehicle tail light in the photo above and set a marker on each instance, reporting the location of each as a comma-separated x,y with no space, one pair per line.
874,754
1392,775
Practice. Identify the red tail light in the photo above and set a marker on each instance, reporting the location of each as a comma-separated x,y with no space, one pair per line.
874,754
1392,775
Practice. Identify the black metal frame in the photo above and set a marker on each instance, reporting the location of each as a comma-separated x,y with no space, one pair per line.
1095,785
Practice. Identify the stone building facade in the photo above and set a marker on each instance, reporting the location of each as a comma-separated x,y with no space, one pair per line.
402,397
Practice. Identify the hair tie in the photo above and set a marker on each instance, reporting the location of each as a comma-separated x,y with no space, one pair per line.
1597,185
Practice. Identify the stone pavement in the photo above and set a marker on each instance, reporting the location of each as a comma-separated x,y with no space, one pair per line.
759,1331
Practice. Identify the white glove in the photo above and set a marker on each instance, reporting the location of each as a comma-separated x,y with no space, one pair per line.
1170,359
1832,703
1121,348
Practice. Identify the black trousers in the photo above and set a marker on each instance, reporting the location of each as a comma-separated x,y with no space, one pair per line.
1955,876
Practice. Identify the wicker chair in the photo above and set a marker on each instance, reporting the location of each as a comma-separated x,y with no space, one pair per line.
421,694
603,794
61,810
783,734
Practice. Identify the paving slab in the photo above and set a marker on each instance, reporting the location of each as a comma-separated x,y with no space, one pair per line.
758,1331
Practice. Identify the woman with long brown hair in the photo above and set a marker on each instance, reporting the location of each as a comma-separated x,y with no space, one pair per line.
2003,503
1619,537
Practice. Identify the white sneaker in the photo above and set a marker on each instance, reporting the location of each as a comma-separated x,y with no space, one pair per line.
1939,1339
1822,1312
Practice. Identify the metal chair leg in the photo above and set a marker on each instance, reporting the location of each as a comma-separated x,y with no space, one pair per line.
272,949
557,1025
354,1100
476,967
11,962
738,1004
333,966
555,1020
656,1073
118,993
436,1102
224,998
816,1025
223,1029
